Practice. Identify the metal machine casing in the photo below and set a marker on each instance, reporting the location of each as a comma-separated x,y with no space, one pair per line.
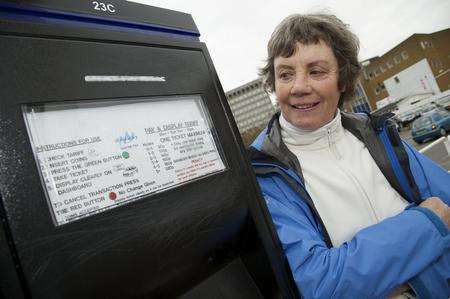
206,238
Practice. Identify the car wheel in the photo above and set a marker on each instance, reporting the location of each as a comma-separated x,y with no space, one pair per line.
418,141
442,132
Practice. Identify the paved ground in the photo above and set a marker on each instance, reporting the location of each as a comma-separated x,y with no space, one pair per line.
437,153
406,135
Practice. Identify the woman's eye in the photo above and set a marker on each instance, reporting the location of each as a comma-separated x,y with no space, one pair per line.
316,72
285,75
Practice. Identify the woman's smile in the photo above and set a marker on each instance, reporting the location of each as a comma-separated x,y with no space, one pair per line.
305,107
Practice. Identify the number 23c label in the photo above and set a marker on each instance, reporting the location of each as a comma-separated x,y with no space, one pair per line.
104,6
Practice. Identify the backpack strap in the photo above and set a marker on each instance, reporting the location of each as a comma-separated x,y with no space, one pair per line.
387,131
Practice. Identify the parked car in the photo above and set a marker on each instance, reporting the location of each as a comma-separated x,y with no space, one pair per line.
431,124
444,101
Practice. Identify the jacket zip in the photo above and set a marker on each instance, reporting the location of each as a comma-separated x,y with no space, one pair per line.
332,146
337,156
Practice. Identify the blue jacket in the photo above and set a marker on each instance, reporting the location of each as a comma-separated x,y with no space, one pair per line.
413,246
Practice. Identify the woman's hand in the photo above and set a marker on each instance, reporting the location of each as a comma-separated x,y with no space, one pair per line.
436,205
398,291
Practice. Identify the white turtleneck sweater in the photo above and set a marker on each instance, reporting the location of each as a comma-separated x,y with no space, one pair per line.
346,186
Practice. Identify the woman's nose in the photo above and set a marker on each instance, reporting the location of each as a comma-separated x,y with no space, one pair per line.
301,85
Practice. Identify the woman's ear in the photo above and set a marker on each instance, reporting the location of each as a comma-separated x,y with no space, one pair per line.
341,86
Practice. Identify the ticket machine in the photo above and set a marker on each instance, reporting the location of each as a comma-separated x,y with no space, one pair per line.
122,173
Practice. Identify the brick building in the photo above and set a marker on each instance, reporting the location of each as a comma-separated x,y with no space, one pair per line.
429,51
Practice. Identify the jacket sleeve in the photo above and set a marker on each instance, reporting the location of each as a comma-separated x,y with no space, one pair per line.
431,179
434,281
371,265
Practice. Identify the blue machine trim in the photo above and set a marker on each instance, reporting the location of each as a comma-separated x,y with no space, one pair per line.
47,16
396,165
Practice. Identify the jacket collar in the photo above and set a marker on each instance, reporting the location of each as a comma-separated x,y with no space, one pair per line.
269,144
311,139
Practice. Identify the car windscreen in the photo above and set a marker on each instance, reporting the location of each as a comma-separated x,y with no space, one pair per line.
422,122
442,113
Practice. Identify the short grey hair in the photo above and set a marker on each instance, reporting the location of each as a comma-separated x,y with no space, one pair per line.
310,29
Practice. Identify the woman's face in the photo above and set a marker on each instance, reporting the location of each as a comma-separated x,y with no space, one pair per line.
306,85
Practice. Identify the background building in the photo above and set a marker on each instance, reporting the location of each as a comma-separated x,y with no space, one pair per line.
250,105
360,103
418,65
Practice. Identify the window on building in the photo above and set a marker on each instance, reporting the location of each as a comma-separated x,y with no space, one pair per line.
380,87
397,59
371,75
377,90
389,64
376,72
382,69
436,63
432,62
426,44
365,75
404,55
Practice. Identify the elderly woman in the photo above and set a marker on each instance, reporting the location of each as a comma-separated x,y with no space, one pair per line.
359,213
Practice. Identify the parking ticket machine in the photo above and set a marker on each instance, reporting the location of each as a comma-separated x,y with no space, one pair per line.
122,173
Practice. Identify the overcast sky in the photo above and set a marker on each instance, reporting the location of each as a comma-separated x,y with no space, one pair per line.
236,32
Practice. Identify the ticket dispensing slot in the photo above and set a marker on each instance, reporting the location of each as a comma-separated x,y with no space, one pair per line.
122,174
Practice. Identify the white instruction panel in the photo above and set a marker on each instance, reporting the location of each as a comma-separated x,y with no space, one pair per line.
99,155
